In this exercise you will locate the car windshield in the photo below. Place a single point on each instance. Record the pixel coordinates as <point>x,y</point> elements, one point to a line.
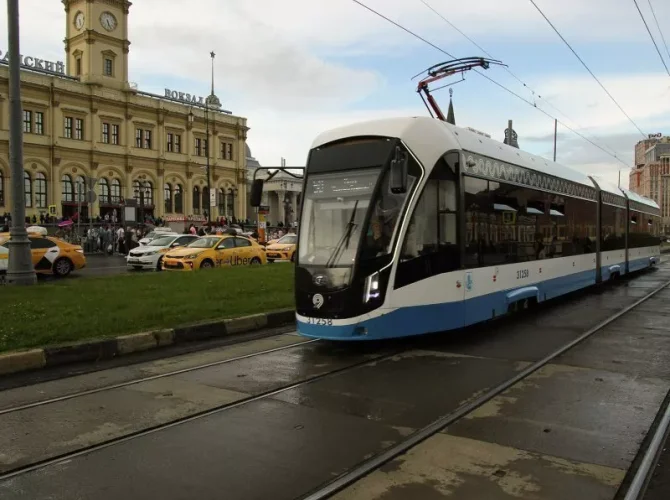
<point>163,241</point>
<point>289,239</point>
<point>206,242</point>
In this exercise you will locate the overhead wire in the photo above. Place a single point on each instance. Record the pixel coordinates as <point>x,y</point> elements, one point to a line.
<point>419,37</point>
<point>506,68</point>
<point>653,13</point>
<point>652,36</point>
<point>587,67</point>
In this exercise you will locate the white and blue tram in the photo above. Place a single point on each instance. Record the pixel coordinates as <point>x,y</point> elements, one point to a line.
<point>413,225</point>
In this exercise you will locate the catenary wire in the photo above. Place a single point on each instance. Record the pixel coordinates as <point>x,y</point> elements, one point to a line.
<point>419,37</point>
<point>587,67</point>
<point>653,13</point>
<point>441,16</point>
<point>650,35</point>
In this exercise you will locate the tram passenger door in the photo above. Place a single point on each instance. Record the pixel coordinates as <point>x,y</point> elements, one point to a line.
<point>430,256</point>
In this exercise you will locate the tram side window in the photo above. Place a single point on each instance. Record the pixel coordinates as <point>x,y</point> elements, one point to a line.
<point>505,224</point>
<point>613,221</point>
<point>431,243</point>
<point>643,230</point>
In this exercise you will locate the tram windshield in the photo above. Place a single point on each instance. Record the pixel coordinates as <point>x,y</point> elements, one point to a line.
<point>334,213</point>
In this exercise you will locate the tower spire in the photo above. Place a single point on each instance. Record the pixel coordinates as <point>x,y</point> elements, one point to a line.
<point>213,56</point>
<point>450,114</point>
<point>213,101</point>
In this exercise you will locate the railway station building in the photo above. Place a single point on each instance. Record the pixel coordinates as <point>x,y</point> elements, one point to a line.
<point>93,141</point>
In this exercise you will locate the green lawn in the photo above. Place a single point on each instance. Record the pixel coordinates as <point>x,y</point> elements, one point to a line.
<point>82,308</point>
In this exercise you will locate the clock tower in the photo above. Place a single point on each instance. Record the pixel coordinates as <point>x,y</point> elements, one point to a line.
<point>96,41</point>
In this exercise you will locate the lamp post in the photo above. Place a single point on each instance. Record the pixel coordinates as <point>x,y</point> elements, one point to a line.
<point>209,208</point>
<point>142,192</point>
<point>233,192</point>
<point>20,269</point>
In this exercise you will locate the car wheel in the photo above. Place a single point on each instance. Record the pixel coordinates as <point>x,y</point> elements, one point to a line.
<point>159,265</point>
<point>271,261</point>
<point>207,264</point>
<point>293,257</point>
<point>255,261</point>
<point>62,267</point>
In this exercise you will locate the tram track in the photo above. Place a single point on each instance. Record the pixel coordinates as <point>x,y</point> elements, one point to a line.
<point>40,464</point>
<point>128,383</point>
<point>373,463</point>
<point>62,458</point>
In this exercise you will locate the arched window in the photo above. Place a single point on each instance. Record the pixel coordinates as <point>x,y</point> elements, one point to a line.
<point>2,190</point>
<point>178,199</point>
<point>205,199</point>
<point>116,192</point>
<point>168,198</point>
<point>147,192</point>
<point>196,200</point>
<point>80,189</point>
<point>68,189</point>
<point>27,189</point>
<point>104,191</point>
<point>40,190</point>
<point>222,202</point>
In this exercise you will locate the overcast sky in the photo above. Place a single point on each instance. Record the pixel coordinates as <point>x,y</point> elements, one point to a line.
<point>297,67</point>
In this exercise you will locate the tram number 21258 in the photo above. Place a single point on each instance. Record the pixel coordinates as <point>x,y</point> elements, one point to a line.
<point>522,273</point>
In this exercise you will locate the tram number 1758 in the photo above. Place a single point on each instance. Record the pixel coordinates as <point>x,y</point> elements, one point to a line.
<point>522,273</point>
<point>320,321</point>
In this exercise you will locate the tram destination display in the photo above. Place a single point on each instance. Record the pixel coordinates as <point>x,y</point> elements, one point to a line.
<point>350,184</point>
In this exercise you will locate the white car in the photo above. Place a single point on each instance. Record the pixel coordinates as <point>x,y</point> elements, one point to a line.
<point>156,233</point>
<point>151,256</point>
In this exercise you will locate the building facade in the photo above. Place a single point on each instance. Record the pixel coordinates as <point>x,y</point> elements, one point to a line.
<point>281,195</point>
<point>94,144</point>
<point>651,175</point>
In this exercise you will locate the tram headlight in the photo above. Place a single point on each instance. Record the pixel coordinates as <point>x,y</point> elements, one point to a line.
<point>371,287</point>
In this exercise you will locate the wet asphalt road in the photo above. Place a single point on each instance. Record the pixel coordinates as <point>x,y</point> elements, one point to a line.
<point>570,431</point>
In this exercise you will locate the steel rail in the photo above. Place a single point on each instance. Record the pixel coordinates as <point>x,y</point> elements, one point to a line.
<point>149,378</point>
<point>367,466</point>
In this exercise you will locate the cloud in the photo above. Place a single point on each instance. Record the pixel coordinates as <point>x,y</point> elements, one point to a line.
<point>269,144</point>
<point>294,76</point>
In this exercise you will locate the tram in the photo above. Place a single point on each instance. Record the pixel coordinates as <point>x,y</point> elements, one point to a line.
<point>413,225</point>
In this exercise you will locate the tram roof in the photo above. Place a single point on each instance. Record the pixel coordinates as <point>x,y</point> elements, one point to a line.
<point>429,139</point>
<point>607,187</point>
<point>633,196</point>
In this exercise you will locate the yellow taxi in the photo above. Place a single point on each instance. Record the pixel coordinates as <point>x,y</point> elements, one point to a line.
<point>215,251</point>
<point>283,248</point>
<point>50,255</point>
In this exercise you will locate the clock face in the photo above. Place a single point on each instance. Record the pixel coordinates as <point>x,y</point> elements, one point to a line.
<point>79,20</point>
<point>108,21</point>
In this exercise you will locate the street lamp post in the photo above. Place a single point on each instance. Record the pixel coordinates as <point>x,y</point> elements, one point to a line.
<point>209,192</point>
<point>232,192</point>
<point>20,269</point>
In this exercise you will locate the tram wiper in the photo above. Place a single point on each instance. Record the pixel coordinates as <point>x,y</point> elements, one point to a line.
<point>344,240</point>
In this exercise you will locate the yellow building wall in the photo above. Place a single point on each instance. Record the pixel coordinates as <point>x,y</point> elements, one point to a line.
<point>55,155</point>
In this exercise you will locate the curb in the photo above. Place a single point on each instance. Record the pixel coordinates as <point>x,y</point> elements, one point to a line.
<point>99,349</point>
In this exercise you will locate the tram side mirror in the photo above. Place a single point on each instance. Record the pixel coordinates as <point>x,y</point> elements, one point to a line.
<point>256,193</point>
<point>398,178</point>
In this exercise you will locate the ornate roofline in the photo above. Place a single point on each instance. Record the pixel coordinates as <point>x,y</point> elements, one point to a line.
<point>612,199</point>
<point>482,166</point>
